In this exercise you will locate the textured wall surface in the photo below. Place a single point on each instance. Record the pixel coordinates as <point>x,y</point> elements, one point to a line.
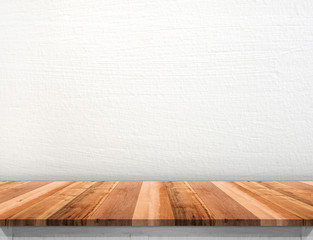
<point>156,89</point>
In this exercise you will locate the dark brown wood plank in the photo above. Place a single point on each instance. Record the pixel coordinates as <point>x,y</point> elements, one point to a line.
<point>226,210</point>
<point>119,206</point>
<point>153,206</point>
<point>76,212</point>
<point>188,208</point>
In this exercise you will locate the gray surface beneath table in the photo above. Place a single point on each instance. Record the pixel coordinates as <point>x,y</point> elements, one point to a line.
<point>134,233</point>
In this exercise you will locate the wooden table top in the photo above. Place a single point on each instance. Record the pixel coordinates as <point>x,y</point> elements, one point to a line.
<point>156,203</point>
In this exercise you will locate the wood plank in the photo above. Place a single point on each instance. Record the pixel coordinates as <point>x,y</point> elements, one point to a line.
<point>309,183</point>
<point>17,204</point>
<point>299,185</point>
<point>76,212</point>
<point>268,213</point>
<point>37,214</point>
<point>153,206</point>
<point>20,189</point>
<point>292,205</point>
<point>119,206</point>
<point>188,208</point>
<point>296,193</point>
<point>156,203</point>
<point>8,185</point>
<point>226,210</point>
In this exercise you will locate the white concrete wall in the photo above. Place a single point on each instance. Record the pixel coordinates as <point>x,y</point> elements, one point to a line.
<point>156,89</point>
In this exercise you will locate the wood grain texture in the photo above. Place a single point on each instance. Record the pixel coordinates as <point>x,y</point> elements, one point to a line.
<point>8,185</point>
<point>22,202</point>
<point>296,193</point>
<point>269,214</point>
<point>79,209</point>
<point>226,210</point>
<point>187,206</point>
<point>156,203</point>
<point>37,214</point>
<point>19,190</point>
<point>153,206</point>
<point>288,203</point>
<point>119,207</point>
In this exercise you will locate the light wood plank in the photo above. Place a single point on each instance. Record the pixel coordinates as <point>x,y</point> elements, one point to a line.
<point>226,210</point>
<point>299,185</point>
<point>17,204</point>
<point>8,185</point>
<point>268,213</point>
<point>19,190</point>
<point>292,205</point>
<point>37,214</point>
<point>309,183</point>
<point>296,193</point>
<point>153,206</point>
